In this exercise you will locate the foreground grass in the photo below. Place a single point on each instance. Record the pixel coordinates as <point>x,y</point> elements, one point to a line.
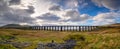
<point>103,39</point>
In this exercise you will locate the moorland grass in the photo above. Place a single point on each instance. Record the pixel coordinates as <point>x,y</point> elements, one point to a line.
<point>102,39</point>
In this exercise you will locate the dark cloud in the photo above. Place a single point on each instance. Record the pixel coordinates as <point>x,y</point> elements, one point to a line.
<point>10,15</point>
<point>110,4</point>
<point>72,13</point>
<point>49,17</point>
<point>3,7</point>
<point>55,8</point>
<point>14,2</point>
<point>80,18</point>
<point>31,9</point>
<point>75,16</point>
<point>16,17</point>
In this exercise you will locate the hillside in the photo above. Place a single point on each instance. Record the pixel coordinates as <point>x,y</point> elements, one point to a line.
<point>116,24</point>
<point>14,26</point>
<point>102,39</point>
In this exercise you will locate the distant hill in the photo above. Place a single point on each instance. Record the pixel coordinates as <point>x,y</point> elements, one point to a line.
<point>15,26</point>
<point>12,25</point>
<point>116,24</point>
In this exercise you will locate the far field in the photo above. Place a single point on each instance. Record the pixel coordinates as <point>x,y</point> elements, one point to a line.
<point>107,38</point>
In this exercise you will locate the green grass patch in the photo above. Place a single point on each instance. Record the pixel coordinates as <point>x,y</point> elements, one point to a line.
<point>7,46</point>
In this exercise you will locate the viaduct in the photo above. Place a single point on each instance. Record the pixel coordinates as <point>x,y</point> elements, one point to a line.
<point>65,28</point>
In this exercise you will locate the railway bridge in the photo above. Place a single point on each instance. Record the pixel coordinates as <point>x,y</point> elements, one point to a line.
<point>65,28</point>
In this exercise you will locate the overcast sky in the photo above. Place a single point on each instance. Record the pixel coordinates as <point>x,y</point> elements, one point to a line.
<point>59,12</point>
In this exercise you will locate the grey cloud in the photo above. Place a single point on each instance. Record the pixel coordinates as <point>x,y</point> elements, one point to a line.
<point>103,16</point>
<point>106,18</point>
<point>110,4</point>
<point>3,6</point>
<point>72,13</point>
<point>14,2</point>
<point>71,3</point>
<point>55,8</point>
<point>49,17</point>
<point>11,15</point>
<point>80,18</point>
<point>75,16</point>
<point>31,9</point>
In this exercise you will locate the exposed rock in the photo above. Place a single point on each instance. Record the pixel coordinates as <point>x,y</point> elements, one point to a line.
<point>67,45</point>
<point>21,45</point>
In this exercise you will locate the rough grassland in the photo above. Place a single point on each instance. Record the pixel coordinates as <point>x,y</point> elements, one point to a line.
<point>104,39</point>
